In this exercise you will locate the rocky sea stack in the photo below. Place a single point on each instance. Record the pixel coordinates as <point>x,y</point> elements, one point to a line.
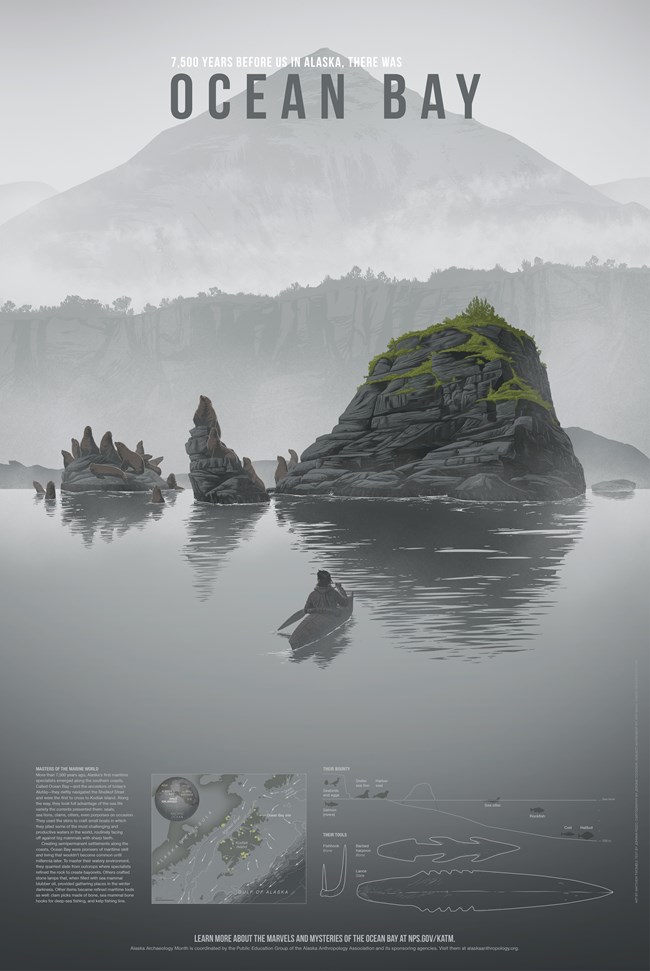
<point>217,474</point>
<point>462,408</point>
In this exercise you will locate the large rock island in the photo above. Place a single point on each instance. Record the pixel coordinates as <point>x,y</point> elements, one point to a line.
<point>462,408</point>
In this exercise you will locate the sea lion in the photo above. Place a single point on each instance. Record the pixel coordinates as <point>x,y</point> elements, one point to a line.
<point>101,470</point>
<point>149,461</point>
<point>88,445</point>
<point>282,471</point>
<point>50,491</point>
<point>76,449</point>
<point>40,491</point>
<point>156,495</point>
<point>231,455</point>
<point>249,469</point>
<point>107,448</point>
<point>154,468</point>
<point>215,446</point>
<point>67,458</point>
<point>293,461</point>
<point>172,483</point>
<point>206,415</point>
<point>130,460</point>
<point>140,448</point>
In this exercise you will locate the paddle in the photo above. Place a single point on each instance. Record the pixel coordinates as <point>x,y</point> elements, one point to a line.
<point>299,614</point>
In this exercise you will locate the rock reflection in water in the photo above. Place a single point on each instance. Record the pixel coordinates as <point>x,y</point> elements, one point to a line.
<point>107,516</point>
<point>440,575</point>
<point>213,532</point>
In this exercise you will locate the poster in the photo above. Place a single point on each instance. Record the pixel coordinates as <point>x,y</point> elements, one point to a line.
<point>376,276</point>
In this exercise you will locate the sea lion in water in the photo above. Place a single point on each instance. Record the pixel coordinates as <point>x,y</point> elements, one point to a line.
<point>156,495</point>
<point>293,461</point>
<point>249,469</point>
<point>107,448</point>
<point>50,491</point>
<point>215,446</point>
<point>282,471</point>
<point>173,484</point>
<point>76,449</point>
<point>130,460</point>
<point>102,470</point>
<point>67,458</point>
<point>88,445</point>
<point>40,491</point>
<point>206,415</point>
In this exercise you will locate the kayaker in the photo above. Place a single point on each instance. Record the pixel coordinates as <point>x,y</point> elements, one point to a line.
<point>326,596</point>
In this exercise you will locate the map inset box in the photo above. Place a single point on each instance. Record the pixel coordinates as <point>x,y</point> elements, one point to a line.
<point>228,839</point>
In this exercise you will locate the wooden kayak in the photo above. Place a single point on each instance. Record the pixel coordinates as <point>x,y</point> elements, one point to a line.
<point>314,627</point>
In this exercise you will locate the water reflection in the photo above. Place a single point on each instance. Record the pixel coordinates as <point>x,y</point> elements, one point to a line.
<point>441,575</point>
<point>108,515</point>
<point>213,532</point>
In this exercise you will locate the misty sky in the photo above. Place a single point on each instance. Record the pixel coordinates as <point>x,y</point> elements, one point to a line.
<point>86,82</point>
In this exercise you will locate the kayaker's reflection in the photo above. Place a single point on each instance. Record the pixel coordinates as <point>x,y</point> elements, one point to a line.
<point>326,595</point>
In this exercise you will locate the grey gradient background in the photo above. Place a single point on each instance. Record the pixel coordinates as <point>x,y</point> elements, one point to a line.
<point>86,82</point>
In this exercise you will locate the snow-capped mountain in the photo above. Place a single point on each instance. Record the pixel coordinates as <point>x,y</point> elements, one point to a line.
<point>250,204</point>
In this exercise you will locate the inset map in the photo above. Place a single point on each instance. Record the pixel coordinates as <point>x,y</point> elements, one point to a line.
<point>244,843</point>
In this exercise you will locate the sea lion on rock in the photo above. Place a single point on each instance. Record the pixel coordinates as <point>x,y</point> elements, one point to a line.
<point>282,471</point>
<point>50,491</point>
<point>249,469</point>
<point>107,448</point>
<point>67,458</point>
<point>76,449</point>
<point>156,495</point>
<point>140,447</point>
<point>130,460</point>
<point>172,483</point>
<point>102,470</point>
<point>215,446</point>
<point>88,445</point>
<point>40,491</point>
<point>206,415</point>
<point>293,461</point>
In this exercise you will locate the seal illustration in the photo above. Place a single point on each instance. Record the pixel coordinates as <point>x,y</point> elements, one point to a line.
<point>107,448</point>
<point>249,469</point>
<point>282,470</point>
<point>88,444</point>
<point>40,491</point>
<point>173,484</point>
<point>293,461</point>
<point>50,491</point>
<point>156,495</point>
<point>102,470</point>
<point>130,460</point>
<point>67,458</point>
<point>153,464</point>
<point>76,449</point>
<point>215,446</point>
<point>140,447</point>
<point>206,415</point>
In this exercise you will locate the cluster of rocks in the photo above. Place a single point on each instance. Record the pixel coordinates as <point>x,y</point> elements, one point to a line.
<point>111,467</point>
<point>462,408</point>
<point>217,474</point>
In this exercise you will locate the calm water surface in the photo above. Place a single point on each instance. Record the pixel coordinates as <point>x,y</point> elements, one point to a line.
<point>493,656</point>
